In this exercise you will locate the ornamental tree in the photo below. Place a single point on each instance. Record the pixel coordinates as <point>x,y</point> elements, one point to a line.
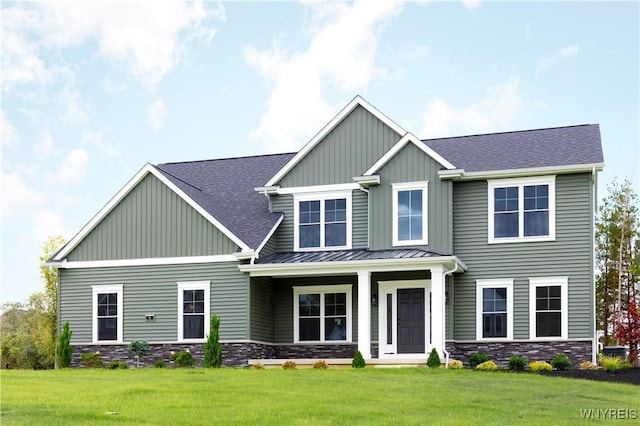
<point>628,330</point>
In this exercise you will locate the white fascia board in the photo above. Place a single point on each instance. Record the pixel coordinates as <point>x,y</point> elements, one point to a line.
<point>152,261</point>
<point>409,137</point>
<point>366,181</point>
<point>142,173</point>
<point>342,267</point>
<point>266,189</point>
<point>319,189</point>
<point>494,174</point>
<point>357,101</point>
<point>273,230</point>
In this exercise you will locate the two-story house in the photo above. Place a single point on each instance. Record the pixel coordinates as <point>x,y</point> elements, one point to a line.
<point>368,238</point>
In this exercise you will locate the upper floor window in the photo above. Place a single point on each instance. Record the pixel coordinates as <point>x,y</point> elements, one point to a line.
<point>409,213</point>
<point>322,221</point>
<point>107,313</point>
<point>494,309</point>
<point>521,209</point>
<point>193,310</point>
<point>549,307</point>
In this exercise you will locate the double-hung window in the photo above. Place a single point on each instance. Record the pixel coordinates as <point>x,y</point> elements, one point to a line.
<point>322,221</point>
<point>548,308</point>
<point>107,313</point>
<point>494,309</point>
<point>409,210</point>
<point>322,313</point>
<point>193,310</point>
<point>521,209</point>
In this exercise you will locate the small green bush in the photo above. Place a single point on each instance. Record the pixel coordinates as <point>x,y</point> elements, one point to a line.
<point>487,365</point>
<point>64,350</point>
<point>159,363</point>
<point>320,365</point>
<point>213,348</point>
<point>560,362</point>
<point>537,366</point>
<point>358,360</point>
<point>610,363</point>
<point>477,358</point>
<point>588,365</point>
<point>183,359</point>
<point>455,364</point>
<point>289,365</point>
<point>434,359</point>
<point>91,360</point>
<point>517,363</point>
<point>117,365</point>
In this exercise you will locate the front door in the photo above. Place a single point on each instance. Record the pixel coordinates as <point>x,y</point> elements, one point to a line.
<point>410,320</point>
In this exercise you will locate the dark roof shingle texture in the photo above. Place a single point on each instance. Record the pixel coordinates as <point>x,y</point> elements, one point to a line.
<point>553,147</point>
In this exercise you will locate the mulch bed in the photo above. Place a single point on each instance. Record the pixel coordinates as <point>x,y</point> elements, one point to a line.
<point>627,375</point>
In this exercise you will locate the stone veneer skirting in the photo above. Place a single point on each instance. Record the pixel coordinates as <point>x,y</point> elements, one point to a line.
<point>238,354</point>
<point>500,352</point>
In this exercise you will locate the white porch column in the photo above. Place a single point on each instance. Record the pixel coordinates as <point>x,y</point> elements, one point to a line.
<point>364,313</point>
<point>438,309</point>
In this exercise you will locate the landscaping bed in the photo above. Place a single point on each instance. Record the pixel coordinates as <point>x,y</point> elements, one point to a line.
<point>626,375</point>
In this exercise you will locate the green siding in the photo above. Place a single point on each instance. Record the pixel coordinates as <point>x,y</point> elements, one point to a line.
<point>360,224</point>
<point>153,290</point>
<point>411,164</point>
<point>152,221</point>
<point>570,255</point>
<point>284,234</point>
<point>348,150</point>
<point>262,302</point>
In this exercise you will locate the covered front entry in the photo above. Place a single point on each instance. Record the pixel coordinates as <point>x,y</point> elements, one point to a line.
<point>404,318</point>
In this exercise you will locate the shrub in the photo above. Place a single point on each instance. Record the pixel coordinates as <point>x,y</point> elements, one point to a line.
<point>588,365</point>
<point>477,358</point>
<point>183,359</point>
<point>560,362</point>
<point>117,365</point>
<point>434,359</point>
<point>358,360</point>
<point>610,363</point>
<point>455,364</point>
<point>258,366</point>
<point>64,350</point>
<point>320,365</point>
<point>139,348</point>
<point>91,360</point>
<point>537,366</point>
<point>517,363</point>
<point>213,349</point>
<point>487,365</point>
<point>159,363</point>
<point>289,365</point>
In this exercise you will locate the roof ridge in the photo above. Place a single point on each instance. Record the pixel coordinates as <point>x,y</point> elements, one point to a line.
<point>509,131</point>
<point>227,158</point>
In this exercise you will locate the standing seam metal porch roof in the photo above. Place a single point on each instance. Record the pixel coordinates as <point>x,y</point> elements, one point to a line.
<point>345,255</point>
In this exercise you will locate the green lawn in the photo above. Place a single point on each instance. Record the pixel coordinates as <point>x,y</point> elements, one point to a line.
<point>341,396</point>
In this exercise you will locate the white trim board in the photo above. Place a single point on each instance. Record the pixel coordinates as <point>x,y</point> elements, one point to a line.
<point>355,102</point>
<point>132,183</point>
<point>152,261</point>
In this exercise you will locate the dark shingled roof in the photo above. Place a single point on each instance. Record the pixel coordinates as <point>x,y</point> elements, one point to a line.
<point>225,189</point>
<point>345,255</point>
<point>553,147</point>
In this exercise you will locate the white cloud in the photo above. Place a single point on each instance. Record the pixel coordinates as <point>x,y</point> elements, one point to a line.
<point>156,113</point>
<point>560,54</point>
<point>18,196</point>
<point>70,168</point>
<point>96,140</point>
<point>9,135</point>
<point>494,112</point>
<point>340,56</point>
<point>471,4</point>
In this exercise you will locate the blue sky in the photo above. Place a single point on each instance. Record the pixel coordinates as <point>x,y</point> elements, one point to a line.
<point>91,91</point>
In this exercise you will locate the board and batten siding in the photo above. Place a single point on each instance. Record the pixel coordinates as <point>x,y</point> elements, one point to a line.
<point>569,255</point>
<point>152,221</point>
<point>154,290</point>
<point>262,303</point>
<point>348,150</point>
<point>359,214</point>
<point>411,164</point>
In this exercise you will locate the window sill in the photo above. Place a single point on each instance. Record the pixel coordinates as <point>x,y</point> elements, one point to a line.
<point>520,240</point>
<point>321,342</point>
<point>410,243</point>
<point>301,249</point>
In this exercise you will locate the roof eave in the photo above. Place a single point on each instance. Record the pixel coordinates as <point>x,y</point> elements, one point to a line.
<point>460,174</point>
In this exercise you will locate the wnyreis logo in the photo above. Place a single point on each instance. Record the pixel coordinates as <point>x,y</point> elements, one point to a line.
<point>609,413</point>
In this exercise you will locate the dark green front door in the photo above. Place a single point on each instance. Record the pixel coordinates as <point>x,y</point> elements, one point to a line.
<point>410,320</point>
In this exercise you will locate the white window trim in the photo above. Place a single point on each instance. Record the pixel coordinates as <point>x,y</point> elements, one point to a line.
<point>494,283</point>
<point>405,186</point>
<point>322,289</point>
<point>100,289</point>
<point>563,282</point>
<point>320,196</point>
<point>521,183</point>
<point>194,285</point>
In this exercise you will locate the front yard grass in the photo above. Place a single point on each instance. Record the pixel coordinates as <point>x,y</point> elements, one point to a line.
<point>314,397</point>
